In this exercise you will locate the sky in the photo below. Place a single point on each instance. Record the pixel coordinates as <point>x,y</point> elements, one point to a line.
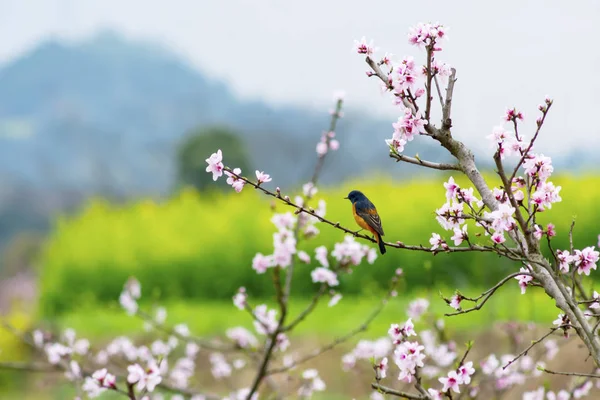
<point>507,53</point>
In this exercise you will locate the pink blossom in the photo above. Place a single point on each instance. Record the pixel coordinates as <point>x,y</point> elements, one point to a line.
<point>265,320</point>
<point>321,274</point>
<point>523,280</point>
<point>239,299</point>
<point>381,369</point>
<point>348,361</point>
<point>512,114</point>
<point>534,395</point>
<point>435,394</point>
<point>455,301</point>
<point>595,304</point>
<point>405,75</point>
<point>387,59</point>
<point>489,364</point>
<point>561,320</point>
<point>309,189</point>
<point>321,256</point>
<point>459,235</point>
<point>366,349</point>
<point>408,356</point>
<point>396,144</point>
<point>583,390</point>
<point>450,216</point>
<point>538,232</point>
<point>284,244</point>
<point>451,189</point>
<point>501,141</point>
<point>499,195</point>
<point>242,337</point>
<point>144,379</point>
<point>465,371</point>
<point>351,252</point>
<point>417,307</point>
<point>260,263</point>
<point>284,221</point>
<point>564,259</point>
<point>502,218</point>
<point>408,126</point>
<point>311,383</point>
<point>334,300</point>
<point>538,166</point>
<point>362,47</point>
<point>322,148</point>
<point>498,237</point>
<point>441,68</point>
<point>262,177</point>
<point>236,183</point>
<point>334,145</point>
<point>585,260</point>
<point>436,242</point>
<point>551,348</point>
<point>426,34</point>
<point>518,195</point>
<point>104,379</point>
<point>562,395</point>
<point>545,195</point>
<point>550,230</point>
<point>304,257</point>
<point>398,333</point>
<point>452,381</point>
<point>220,368</point>
<point>215,164</point>
<point>282,342</point>
<point>467,196</point>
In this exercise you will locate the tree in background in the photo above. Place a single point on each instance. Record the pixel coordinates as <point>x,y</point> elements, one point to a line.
<point>191,166</point>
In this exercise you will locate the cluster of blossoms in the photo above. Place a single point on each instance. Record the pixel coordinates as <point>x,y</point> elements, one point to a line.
<point>132,291</point>
<point>413,357</point>
<point>451,215</point>
<point>402,78</point>
<point>216,168</point>
<point>327,142</point>
<point>584,260</point>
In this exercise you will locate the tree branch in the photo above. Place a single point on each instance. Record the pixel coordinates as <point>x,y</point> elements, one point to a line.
<point>397,393</point>
<point>423,163</point>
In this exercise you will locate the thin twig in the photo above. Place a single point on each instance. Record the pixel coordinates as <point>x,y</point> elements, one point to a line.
<point>387,390</point>
<point>423,163</point>
<point>533,343</point>
<point>570,373</point>
<point>486,295</point>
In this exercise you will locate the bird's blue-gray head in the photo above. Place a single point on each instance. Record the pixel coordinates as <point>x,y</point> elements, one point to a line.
<point>355,196</point>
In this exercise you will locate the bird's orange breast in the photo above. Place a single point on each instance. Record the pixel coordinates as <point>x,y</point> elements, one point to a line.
<point>360,221</point>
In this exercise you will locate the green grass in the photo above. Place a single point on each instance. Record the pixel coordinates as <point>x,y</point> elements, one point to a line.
<point>209,319</point>
<point>213,318</point>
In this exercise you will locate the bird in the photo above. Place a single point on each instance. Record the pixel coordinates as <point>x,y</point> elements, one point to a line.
<point>366,216</point>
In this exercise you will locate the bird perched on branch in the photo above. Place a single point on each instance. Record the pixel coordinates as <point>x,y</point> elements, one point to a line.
<point>366,216</point>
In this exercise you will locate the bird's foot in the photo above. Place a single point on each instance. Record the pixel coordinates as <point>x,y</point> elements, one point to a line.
<point>357,232</point>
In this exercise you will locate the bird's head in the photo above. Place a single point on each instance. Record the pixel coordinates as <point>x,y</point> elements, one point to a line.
<point>355,196</point>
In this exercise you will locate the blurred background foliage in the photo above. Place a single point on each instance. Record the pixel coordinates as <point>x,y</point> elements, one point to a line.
<point>201,245</point>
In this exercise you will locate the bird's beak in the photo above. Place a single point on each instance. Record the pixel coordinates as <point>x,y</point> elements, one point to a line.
<point>346,197</point>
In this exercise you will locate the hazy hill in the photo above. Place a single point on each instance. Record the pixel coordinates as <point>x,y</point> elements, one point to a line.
<point>107,113</point>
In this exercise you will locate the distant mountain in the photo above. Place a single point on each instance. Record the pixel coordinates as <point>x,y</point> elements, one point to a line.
<point>107,113</point>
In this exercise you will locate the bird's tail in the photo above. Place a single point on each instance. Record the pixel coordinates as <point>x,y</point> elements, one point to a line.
<point>380,243</point>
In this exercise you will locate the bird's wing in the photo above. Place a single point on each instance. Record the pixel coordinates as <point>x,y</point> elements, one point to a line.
<point>369,214</point>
